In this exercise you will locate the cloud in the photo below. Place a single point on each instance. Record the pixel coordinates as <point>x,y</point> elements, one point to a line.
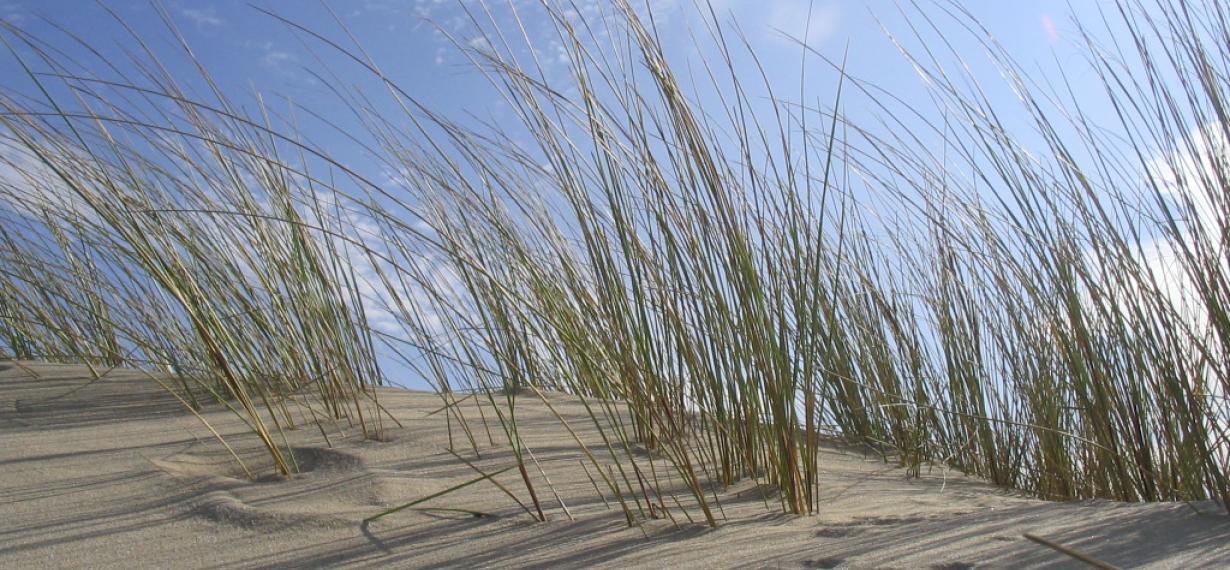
<point>791,19</point>
<point>416,284</point>
<point>480,43</point>
<point>202,17</point>
<point>283,63</point>
<point>13,13</point>
<point>277,58</point>
<point>1049,28</point>
<point>28,187</point>
<point>1189,175</point>
<point>386,8</point>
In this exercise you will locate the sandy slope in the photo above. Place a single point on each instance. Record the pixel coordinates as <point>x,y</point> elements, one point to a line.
<point>114,473</point>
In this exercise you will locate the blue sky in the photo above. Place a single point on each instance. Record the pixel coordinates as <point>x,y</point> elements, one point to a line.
<point>248,51</point>
<point>414,42</point>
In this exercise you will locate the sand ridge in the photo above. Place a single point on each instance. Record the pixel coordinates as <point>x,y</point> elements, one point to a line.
<point>114,472</point>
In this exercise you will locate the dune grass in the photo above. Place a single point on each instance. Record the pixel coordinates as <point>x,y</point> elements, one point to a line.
<point>723,288</point>
<point>150,232</point>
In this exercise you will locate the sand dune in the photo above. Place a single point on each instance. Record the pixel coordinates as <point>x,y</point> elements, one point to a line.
<point>114,473</point>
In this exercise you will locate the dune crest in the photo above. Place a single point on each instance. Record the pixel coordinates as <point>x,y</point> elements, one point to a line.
<point>110,474</point>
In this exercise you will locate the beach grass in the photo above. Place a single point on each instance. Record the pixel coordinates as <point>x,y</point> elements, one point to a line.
<point>725,288</point>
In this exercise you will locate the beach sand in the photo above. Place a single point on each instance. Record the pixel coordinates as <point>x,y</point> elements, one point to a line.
<point>115,473</point>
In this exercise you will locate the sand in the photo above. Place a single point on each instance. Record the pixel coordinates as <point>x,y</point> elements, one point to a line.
<point>114,473</point>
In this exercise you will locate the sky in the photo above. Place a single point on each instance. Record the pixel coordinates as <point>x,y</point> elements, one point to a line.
<point>417,44</point>
<point>413,40</point>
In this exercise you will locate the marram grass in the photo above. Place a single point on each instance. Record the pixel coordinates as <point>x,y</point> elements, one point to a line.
<point>719,286</point>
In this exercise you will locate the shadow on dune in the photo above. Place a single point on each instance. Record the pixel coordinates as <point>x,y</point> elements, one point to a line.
<point>146,488</point>
<point>66,397</point>
<point>1123,535</point>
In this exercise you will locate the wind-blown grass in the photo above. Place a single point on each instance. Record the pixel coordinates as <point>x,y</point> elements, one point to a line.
<point>718,276</point>
<point>179,237</point>
<point>724,288</point>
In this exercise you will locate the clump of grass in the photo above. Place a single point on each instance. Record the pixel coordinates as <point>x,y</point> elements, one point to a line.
<point>720,287</point>
<point>712,286</point>
<point>155,229</point>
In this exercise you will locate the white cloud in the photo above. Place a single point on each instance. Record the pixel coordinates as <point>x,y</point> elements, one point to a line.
<point>791,19</point>
<point>1049,28</point>
<point>276,58</point>
<point>28,187</point>
<point>202,16</point>
<point>1190,176</point>
<point>265,45</point>
<point>384,8</point>
<point>480,43</point>
<point>415,284</point>
<point>13,13</point>
<point>1191,172</point>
